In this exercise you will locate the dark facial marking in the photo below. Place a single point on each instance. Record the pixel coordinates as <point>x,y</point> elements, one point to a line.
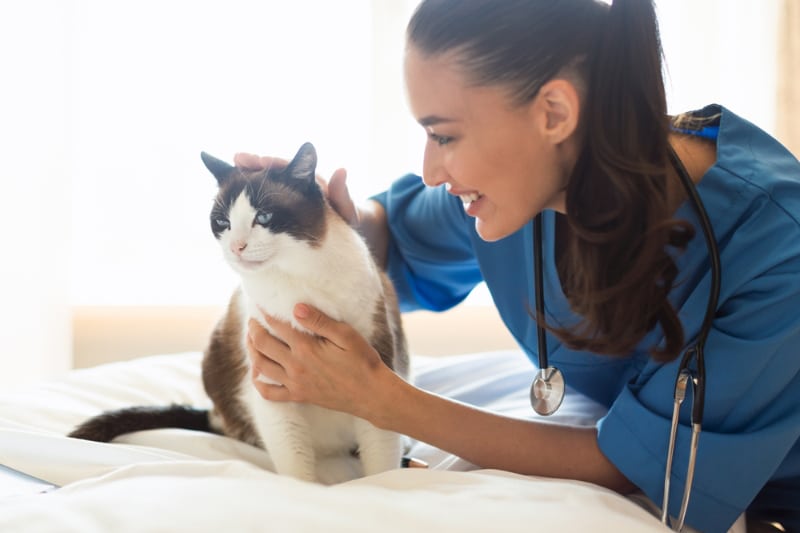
<point>286,199</point>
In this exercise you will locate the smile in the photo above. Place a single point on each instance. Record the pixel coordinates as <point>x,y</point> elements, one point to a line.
<point>467,199</point>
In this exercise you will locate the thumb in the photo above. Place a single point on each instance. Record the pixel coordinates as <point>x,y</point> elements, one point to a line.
<point>257,162</point>
<point>340,199</point>
<point>318,323</point>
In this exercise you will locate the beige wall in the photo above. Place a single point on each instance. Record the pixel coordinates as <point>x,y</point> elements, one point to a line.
<point>787,124</point>
<point>105,334</point>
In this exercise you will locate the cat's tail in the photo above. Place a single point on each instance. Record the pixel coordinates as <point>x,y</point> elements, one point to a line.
<point>111,424</point>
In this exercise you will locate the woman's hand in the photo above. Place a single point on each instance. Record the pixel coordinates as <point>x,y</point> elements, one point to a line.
<point>333,367</point>
<point>335,189</point>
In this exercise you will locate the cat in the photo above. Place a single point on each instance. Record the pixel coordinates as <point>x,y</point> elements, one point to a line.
<point>288,245</point>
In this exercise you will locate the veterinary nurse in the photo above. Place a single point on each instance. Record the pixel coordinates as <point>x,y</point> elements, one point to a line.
<point>559,108</point>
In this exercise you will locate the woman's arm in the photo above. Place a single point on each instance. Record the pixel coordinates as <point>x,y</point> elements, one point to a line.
<point>339,370</point>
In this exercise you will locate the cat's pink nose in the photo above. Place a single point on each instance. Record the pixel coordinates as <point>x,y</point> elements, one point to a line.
<point>238,247</point>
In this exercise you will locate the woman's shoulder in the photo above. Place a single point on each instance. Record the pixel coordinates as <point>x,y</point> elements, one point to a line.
<point>764,168</point>
<point>755,180</point>
<point>752,196</point>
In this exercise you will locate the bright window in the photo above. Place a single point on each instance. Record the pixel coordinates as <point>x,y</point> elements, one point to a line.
<point>152,83</point>
<point>155,82</point>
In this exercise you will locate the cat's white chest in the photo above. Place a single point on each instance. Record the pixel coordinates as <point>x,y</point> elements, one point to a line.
<point>274,297</point>
<point>277,293</point>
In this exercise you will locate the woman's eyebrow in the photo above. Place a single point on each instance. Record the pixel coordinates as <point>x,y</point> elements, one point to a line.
<point>431,120</point>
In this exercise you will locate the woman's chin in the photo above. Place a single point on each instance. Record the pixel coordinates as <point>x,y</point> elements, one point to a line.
<point>491,232</point>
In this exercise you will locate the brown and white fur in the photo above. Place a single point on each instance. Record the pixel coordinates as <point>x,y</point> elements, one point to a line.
<point>288,245</point>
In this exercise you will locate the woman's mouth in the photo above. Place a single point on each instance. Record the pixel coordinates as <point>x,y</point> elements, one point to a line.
<point>471,200</point>
<point>472,203</point>
<point>467,199</point>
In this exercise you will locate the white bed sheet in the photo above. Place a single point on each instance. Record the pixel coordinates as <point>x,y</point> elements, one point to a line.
<point>178,480</point>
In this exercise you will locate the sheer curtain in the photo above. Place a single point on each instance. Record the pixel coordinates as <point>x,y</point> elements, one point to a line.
<point>721,51</point>
<point>35,178</point>
<point>156,82</point>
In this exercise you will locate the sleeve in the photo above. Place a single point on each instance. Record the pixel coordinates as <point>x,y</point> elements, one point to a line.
<point>431,260</point>
<point>751,422</point>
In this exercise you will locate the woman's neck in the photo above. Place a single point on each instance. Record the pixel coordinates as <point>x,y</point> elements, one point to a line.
<point>697,155</point>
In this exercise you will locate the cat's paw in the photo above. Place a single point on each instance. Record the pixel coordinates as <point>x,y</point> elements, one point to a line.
<point>332,470</point>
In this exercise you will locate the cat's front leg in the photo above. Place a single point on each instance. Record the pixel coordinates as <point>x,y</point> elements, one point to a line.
<point>380,450</point>
<point>286,436</point>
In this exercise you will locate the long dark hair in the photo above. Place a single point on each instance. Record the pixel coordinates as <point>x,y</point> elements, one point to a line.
<point>616,269</point>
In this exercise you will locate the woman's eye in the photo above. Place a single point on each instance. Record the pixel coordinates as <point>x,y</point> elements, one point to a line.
<point>263,218</point>
<point>441,140</point>
<point>222,223</point>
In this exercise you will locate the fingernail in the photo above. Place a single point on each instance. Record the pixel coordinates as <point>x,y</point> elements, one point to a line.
<point>263,314</point>
<point>301,311</point>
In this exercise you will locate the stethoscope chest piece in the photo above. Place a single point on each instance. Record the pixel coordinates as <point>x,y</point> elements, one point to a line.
<point>547,391</point>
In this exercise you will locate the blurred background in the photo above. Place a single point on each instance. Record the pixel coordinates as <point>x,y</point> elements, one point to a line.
<point>105,106</point>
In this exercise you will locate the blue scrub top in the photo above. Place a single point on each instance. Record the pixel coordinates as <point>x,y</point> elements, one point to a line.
<point>749,450</point>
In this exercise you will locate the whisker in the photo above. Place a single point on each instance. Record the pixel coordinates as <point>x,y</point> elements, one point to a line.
<point>260,188</point>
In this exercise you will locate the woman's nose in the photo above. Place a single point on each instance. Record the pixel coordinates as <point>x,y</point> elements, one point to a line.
<point>433,172</point>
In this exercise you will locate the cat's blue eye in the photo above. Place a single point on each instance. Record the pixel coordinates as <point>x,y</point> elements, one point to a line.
<point>263,218</point>
<point>222,223</point>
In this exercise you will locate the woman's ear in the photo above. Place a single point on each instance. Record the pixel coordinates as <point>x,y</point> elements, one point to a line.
<point>557,108</point>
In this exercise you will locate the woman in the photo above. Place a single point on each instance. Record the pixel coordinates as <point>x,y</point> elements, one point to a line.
<point>559,108</point>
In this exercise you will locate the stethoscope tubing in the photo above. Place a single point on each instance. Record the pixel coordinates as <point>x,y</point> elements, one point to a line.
<point>538,269</point>
<point>547,390</point>
<point>686,377</point>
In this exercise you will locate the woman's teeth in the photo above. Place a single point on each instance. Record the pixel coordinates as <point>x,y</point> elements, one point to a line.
<point>467,199</point>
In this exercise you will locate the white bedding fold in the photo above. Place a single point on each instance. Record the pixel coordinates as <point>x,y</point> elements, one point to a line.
<point>178,480</point>
<point>202,496</point>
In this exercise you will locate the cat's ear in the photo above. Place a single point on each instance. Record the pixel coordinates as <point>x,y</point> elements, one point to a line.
<point>304,164</point>
<point>220,169</point>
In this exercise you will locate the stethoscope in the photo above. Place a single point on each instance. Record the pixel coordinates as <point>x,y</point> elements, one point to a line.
<point>548,387</point>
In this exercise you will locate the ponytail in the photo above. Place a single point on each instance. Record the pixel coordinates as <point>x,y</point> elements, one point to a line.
<point>618,271</point>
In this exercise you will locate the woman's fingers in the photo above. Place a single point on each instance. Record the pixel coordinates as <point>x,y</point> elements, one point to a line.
<point>267,375</point>
<point>321,324</point>
<point>257,162</point>
<point>268,354</point>
<point>263,365</point>
<point>275,393</point>
<point>319,360</point>
<point>340,199</point>
<point>265,341</point>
